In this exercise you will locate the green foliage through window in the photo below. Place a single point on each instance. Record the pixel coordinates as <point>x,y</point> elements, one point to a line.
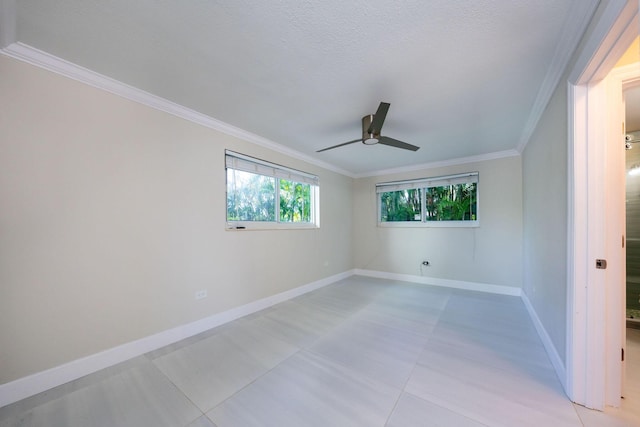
<point>403,205</point>
<point>258,191</point>
<point>295,201</point>
<point>250,197</point>
<point>451,202</point>
<point>451,198</point>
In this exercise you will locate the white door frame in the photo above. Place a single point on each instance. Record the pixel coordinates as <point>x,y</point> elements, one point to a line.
<point>593,367</point>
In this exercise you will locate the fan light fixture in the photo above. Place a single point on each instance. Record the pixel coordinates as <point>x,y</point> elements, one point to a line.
<point>368,137</point>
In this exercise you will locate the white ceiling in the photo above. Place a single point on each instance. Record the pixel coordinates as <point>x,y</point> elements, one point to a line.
<point>462,77</point>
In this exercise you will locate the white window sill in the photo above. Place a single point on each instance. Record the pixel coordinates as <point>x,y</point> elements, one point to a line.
<point>431,224</point>
<point>264,225</point>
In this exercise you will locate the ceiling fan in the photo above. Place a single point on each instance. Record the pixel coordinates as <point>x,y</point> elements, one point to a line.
<point>371,127</point>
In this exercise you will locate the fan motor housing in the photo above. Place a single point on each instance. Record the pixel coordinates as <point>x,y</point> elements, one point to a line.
<point>368,138</point>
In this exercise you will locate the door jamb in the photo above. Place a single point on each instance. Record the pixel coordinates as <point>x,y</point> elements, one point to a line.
<point>586,359</point>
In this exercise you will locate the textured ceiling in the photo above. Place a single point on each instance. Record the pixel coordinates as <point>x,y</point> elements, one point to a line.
<point>462,77</point>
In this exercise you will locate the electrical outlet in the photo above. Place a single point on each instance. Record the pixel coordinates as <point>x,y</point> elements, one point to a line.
<point>201,294</point>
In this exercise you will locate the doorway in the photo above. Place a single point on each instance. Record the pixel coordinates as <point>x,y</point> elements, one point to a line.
<point>595,300</point>
<point>632,169</point>
<point>631,371</point>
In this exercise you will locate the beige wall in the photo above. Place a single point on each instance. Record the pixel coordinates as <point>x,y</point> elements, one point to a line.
<point>491,253</point>
<point>545,196</point>
<point>113,217</point>
<point>545,219</point>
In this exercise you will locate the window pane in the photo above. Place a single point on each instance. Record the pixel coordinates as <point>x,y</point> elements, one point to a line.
<point>250,197</point>
<point>295,201</point>
<point>403,205</point>
<point>451,202</point>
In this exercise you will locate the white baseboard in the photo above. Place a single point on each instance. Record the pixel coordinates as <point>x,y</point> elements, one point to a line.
<point>556,361</point>
<point>448,283</point>
<point>33,384</point>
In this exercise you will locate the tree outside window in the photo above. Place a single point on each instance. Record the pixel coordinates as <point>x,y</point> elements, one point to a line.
<point>263,192</point>
<point>451,200</point>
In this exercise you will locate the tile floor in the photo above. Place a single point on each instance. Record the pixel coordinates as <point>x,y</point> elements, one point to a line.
<point>362,352</point>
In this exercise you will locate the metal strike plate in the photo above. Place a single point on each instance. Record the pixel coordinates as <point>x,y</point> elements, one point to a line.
<point>601,264</point>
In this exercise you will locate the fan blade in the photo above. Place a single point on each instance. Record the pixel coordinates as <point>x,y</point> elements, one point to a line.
<point>339,145</point>
<point>385,140</point>
<point>378,119</point>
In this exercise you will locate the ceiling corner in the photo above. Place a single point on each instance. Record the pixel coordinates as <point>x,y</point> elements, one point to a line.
<point>575,25</point>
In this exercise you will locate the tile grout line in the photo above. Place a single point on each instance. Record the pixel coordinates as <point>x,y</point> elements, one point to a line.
<point>300,349</point>
<point>176,388</point>
<point>415,365</point>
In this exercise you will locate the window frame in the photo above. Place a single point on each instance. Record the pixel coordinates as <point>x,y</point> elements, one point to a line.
<point>242,162</point>
<point>421,184</point>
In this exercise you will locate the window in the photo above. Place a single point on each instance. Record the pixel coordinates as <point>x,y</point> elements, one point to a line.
<point>265,195</point>
<point>401,205</point>
<point>450,201</point>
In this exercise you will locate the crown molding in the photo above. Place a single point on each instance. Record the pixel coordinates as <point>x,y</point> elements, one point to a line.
<point>38,58</point>
<point>8,18</point>
<point>68,69</point>
<point>443,163</point>
<point>573,29</point>
<point>612,34</point>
